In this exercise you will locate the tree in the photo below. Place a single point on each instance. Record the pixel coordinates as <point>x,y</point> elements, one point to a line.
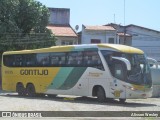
<point>7,14</point>
<point>23,25</point>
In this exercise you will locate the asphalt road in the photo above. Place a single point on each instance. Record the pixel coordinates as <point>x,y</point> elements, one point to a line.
<point>13,102</point>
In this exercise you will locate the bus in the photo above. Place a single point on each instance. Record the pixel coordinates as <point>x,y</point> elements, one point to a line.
<point>105,71</point>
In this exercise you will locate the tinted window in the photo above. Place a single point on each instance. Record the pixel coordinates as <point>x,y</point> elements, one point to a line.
<point>119,72</point>
<point>18,61</point>
<point>8,60</point>
<point>75,59</point>
<point>43,59</point>
<point>57,59</point>
<point>69,59</point>
<point>30,60</point>
<point>92,59</point>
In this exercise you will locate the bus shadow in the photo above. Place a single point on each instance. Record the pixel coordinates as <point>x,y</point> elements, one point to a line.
<point>84,100</point>
<point>113,102</point>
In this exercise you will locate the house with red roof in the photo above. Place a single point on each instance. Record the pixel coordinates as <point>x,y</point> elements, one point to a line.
<point>98,34</point>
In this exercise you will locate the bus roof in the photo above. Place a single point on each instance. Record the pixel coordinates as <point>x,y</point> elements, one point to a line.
<point>116,47</point>
<point>122,48</point>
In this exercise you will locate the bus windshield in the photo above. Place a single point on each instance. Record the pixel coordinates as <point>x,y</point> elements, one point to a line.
<point>139,74</point>
<point>140,71</point>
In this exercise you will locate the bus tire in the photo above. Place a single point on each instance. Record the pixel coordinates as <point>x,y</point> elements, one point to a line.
<point>51,95</point>
<point>40,95</point>
<point>122,100</point>
<point>31,90</point>
<point>101,96</point>
<point>20,89</point>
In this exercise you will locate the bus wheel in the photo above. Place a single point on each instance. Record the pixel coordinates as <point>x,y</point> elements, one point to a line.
<point>20,89</point>
<point>51,95</point>
<point>101,94</point>
<point>31,90</point>
<point>40,95</point>
<point>122,100</point>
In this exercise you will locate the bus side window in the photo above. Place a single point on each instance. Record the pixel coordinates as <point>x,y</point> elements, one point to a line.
<point>69,62</point>
<point>8,60</point>
<point>79,60</point>
<point>28,61</point>
<point>119,70</point>
<point>43,59</point>
<point>74,59</point>
<point>61,60</point>
<point>18,61</point>
<point>85,60</point>
<point>54,60</point>
<point>92,59</point>
<point>57,59</point>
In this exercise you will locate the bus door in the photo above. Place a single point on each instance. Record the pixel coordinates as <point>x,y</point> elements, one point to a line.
<point>117,83</point>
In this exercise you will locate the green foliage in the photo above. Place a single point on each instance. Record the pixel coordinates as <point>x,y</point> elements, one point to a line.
<point>23,25</point>
<point>7,14</point>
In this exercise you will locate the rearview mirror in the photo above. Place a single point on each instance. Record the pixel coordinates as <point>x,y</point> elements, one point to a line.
<point>126,61</point>
<point>152,62</point>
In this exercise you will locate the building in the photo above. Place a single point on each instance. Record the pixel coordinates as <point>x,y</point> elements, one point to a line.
<point>98,34</point>
<point>143,38</point>
<point>64,33</point>
<point>124,39</point>
<point>59,24</point>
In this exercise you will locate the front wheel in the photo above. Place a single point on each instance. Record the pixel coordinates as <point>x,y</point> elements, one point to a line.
<point>101,95</point>
<point>51,95</point>
<point>122,100</point>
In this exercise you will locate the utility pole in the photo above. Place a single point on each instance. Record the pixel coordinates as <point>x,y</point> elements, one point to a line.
<point>124,22</point>
<point>114,19</point>
<point>124,11</point>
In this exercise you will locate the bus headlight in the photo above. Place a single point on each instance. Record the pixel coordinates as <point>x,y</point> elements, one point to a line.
<point>132,88</point>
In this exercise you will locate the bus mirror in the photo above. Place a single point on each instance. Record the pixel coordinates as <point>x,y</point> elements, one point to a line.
<point>151,65</point>
<point>152,62</point>
<point>126,61</point>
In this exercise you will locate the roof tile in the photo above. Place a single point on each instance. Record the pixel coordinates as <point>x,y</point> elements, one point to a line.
<point>99,28</point>
<point>59,30</point>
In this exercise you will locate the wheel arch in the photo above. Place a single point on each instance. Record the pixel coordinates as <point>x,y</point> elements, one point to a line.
<point>29,84</point>
<point>95,89</point>
<point>19,83</point>
<point>31,90</point>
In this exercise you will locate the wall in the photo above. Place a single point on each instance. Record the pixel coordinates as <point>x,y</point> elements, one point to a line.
<point>66,39</point>
<point>87,35</point>
<point>128,40</point>
<point>147,40</point>
<point>59,16</point>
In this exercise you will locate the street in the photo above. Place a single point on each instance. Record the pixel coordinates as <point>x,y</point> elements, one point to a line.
<point>13,102</point>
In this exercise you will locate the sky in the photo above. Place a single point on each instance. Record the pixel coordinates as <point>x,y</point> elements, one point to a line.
<point>145,13</point>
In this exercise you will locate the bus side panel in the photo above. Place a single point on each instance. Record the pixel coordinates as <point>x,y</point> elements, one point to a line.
<point>11,76</point>
<point>91,78</point>
<point>65,80</point>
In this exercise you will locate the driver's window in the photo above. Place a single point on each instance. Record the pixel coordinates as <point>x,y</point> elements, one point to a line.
<point>118,71</point>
